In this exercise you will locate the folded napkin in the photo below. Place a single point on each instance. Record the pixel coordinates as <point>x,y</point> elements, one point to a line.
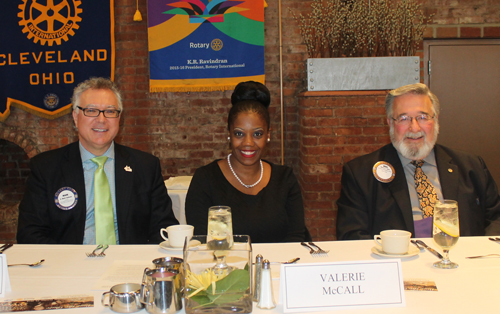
<point>178,183</point>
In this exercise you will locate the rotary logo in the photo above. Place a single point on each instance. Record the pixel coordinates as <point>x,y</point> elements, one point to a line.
<point>51,101</point>
<point>49,22</point>
<point>216,44</point>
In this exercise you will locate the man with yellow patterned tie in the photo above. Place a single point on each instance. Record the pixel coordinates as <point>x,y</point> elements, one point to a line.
<point>95,191</point>
<point>397,186</point>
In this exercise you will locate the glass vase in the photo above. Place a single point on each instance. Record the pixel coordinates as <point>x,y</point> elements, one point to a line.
<point>207,291</point>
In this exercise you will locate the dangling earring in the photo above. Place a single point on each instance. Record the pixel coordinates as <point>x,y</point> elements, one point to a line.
<point>268,140</point>
<point>228,138</point>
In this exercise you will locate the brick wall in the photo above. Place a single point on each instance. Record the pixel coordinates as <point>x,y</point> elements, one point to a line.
<point>13,173</point>
<point>188,130</point>
<point>335,127</point>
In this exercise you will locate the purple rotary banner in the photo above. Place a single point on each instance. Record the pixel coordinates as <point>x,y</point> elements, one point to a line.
<point>50,46</point>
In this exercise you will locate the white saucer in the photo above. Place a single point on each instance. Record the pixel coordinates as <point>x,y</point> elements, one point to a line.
<point>166,245</point>
<point>412,251</point>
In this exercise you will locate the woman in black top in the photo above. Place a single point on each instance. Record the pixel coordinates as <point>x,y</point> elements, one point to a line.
<point>265,199</point>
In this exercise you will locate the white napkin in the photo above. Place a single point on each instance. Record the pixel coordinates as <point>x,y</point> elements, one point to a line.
<point>4,276</point>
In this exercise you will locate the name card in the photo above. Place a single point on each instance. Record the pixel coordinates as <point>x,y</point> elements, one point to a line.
<point>4,276</point>
<point>341,285</point>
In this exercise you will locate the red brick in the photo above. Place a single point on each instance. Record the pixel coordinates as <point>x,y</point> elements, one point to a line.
<point>362,101</point>
<point>346,121</point>
<point>447,32</point>
<point>309,178</point>
<point>308,122</point>
<point>328,122</point>
<point>333,159</point>
<point>316,131</point>
<point>428,33</point>
<point>329,140</point>
<point>374,111</point>
<point>318,150</point>
<point>328,214</point>
<point>308,102</point>
<point>470,32</point>
<point>348,131</point>
<point>347,150</point>
<point>306,196</point>
<point>317,187</point>
<point>317,169</point>
<point>317,112</point>
<point>332,102</point>
<point>375,130</point>
<point>310,141</point>
<point>349,112</point>
<point>491,32</point>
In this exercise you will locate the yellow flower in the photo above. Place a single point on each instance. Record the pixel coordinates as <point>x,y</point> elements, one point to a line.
<point>200,282</point>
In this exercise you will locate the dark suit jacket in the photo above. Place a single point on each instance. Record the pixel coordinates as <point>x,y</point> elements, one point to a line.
<point>143,206</point>
<point>367,206</point>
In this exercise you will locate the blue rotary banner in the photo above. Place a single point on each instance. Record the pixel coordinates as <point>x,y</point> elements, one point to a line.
<point>48,47</point>
<point>203,45</point>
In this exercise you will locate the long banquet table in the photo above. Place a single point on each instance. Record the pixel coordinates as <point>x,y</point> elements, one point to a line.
<point>474,287</point>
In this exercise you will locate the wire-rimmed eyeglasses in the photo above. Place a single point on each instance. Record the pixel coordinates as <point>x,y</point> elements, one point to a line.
<point>94,112</point>
<point>422,119</point>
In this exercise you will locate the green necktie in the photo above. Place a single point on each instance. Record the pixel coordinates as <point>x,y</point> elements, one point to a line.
<point>103,206</point>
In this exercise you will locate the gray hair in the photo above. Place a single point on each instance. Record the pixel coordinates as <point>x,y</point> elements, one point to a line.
<point>415,89</point>
<point>95,83</point>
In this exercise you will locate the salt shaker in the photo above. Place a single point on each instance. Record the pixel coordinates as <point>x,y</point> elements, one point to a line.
<point>258,269</point>
<point>266,298</point>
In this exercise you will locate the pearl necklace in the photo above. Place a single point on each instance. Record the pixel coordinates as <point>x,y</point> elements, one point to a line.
<point>239,180</point>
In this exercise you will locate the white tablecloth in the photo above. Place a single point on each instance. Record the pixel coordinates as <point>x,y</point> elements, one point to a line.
<point>474,287</point>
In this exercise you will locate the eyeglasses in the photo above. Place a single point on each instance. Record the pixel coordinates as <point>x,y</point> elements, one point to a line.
<point>422,119</point>
<point>94,112</point>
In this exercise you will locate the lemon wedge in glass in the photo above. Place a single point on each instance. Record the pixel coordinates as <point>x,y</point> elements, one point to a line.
<point>447,228</point>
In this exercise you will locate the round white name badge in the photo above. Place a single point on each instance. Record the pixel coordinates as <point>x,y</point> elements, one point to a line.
<point>384,171</point>
<point>66,198</point>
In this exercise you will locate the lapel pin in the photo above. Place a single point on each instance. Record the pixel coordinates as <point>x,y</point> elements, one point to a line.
<point>66,198</point>
<point>450,170</point>
<point>128,169</point>
<point>384,172</point>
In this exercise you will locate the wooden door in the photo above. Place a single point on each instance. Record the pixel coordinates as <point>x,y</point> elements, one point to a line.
<point>465,76</point>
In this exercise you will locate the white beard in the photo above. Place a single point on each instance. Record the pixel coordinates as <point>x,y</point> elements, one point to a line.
<point>414,152</point>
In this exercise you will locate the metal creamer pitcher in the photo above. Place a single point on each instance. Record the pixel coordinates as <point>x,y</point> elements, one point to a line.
<point>161,291</point>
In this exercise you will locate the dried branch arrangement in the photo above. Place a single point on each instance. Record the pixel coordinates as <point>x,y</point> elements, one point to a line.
<point>362,28</point>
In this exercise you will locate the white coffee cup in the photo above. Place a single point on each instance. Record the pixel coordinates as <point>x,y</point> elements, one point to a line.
<point>394,241</point>
<point>177,234</point>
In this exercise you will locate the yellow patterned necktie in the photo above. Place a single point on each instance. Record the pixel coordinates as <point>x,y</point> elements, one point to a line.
<point>425,190</point>
<point>103,206</point>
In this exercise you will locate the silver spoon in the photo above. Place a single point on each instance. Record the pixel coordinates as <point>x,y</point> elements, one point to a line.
<point>30,265</point>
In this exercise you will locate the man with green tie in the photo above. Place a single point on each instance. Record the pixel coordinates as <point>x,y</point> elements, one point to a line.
<point>95,191</point>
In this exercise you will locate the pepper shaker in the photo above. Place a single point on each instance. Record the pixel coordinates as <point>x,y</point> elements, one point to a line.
<point>266,298</point>
<point>258,269</point>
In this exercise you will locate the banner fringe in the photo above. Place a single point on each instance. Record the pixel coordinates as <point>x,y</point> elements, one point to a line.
<point>184,89</point>
<point>42,113</point>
